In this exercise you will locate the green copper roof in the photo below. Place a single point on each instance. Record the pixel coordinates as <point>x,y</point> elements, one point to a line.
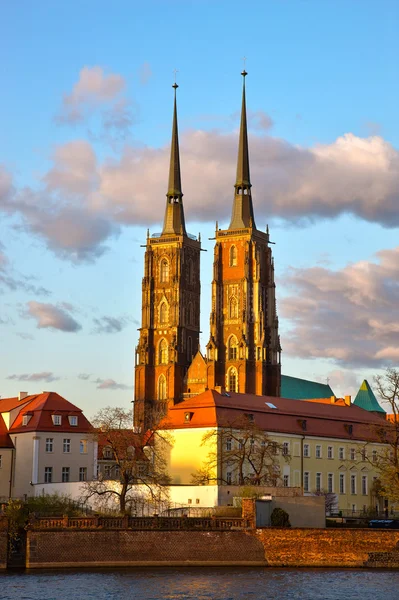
<point>299,389</point>
<point>365,399</point>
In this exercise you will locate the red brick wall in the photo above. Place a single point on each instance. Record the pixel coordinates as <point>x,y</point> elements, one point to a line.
<point>73,548</point>
<point>324,547</point>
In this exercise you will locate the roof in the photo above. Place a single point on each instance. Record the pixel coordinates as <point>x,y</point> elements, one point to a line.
<point>212,409</point>
<point>5,440</point>
<point>301,389</point>
<point>41,407</point>
<point>366,399</point>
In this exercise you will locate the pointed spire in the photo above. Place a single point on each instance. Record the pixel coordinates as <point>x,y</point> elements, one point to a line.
<point>174,213</point>
<point>243,212</point>
<point>243,178</point>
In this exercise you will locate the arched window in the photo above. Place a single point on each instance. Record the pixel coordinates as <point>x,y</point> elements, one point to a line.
<point>189,348</point>
<point>163,313</point>
<point>232,348</point>
<point>164,271</point>
<point>233,308</point>
<point>232,380</point>
<point>190,314</point>
<point>163,352</point>
<point>233,256</point>
<point>162,388</point>
<point>190,271</point>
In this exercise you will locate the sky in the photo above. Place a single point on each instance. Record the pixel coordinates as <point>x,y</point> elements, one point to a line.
<point>85,120</point>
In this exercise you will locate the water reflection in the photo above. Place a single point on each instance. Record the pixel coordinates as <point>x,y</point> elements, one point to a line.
<point>201,584</point>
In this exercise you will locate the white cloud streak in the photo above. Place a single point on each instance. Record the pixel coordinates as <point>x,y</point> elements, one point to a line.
<point>49,316</point>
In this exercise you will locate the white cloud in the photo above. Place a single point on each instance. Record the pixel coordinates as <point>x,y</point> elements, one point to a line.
<point>350,316</point>
<point>51,317</point>
<point>47,376</point>
<point>93,88</point>
<point>110,384</point>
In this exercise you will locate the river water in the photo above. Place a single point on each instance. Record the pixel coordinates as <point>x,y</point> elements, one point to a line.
<point>201,584</point>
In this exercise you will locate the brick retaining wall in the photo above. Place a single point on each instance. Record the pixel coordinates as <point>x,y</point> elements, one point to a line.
<point>90,548</point>
<point>329,547</point>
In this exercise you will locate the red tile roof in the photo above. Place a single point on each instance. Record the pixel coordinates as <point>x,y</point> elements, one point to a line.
<point>42,407</point>
<point>211,409</point>
<point>7,404</point>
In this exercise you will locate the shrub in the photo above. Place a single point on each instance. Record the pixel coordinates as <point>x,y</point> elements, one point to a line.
<point>280,518</point>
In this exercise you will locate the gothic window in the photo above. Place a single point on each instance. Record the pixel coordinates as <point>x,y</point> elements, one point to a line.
<point>163,313</point>
<point>232,348</point>
<point>189,348</point>
<point>233,256</point>
<point>190,315</point>
<point>233,308</point>
<point>163,352</point>
<point>162,388</point>
<point>164,271</point>
<point>190,271</point>
<point>232,380</point>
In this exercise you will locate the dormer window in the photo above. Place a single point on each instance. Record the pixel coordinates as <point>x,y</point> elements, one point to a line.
<point>73,420</point>
<point>26,419</point>
<point>57,419</point>
<point>188,416</point>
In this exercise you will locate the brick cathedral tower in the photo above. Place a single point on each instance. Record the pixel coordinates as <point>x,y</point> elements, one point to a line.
<point>169,333</point>
<point>243,353</point>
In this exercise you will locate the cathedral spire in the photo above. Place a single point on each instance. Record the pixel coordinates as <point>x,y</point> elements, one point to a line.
<point>243,213</point>
<point>174,213</point>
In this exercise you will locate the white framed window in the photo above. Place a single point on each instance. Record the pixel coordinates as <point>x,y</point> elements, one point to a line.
<point>306,477</point>
<point>364,454</point>
<point>318,451</point>
<point>364,485</point>
<point>353,484</point>
<point>65,474</point>
<point>286,480</point>
<point>286,448</point>
<point>48,474</point>
<point>66,445</point>
<point>83,446</point>
<point>318,482</point>
<point>306,450</point>
<point>197,501</point>
<point>341,453</point>
<point>352,453</point>
<point>342,483</point>
<point>57,419</point>
<point>82,473</point>
<point>190,501</point>
<point>25,420</point>
<point>228,444</point>
<point>330,483</point>
<point>49,444</point>
<point>229,477</point>
<point>73,420</point>
<point>374,456</point>
<point>107,471</point>
<point>330,452</point>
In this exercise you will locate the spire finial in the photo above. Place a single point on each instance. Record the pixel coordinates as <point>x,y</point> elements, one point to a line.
<point>243,72</point>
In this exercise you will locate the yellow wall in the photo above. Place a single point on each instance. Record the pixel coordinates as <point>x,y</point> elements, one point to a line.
<point>186,454</point>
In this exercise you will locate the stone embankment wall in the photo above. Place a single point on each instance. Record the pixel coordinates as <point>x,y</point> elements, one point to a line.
<point>117,548</point>
<point>3,542</point>
<point>330,547</point>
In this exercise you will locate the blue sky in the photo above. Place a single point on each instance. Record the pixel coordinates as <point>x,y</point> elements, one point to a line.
<point>86,109</point>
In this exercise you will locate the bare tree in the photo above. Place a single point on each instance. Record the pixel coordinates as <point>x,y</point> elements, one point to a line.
<point>386,461</point>
<point>136,457</point>
<point>241,452</point>
<point>330,499</point>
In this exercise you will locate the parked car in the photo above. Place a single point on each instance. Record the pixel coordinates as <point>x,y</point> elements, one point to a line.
<point>384,523</point>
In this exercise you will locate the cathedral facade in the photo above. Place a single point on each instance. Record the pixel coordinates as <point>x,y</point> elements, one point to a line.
<point>243,353</point>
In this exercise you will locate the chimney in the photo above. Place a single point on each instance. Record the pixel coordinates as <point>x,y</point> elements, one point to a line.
<point>22,395</point>
<point>348,400</point>
<point>333,399</point>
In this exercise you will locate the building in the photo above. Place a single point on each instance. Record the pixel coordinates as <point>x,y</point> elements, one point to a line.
<point>243,353</point>
<point>46,441</point>
<point>323,446</point>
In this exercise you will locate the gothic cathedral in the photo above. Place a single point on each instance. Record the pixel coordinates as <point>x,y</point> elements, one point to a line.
<point>243,352</point>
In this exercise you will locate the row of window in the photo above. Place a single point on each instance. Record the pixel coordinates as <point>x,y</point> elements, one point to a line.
<point>57,420</point>
<point>354,454</point>
<point>164,271</point>
<point>65,474</point>
<point>66,445</point>
<point>318,483</point>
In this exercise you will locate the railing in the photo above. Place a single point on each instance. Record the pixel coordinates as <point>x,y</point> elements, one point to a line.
<point>140,523</point>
